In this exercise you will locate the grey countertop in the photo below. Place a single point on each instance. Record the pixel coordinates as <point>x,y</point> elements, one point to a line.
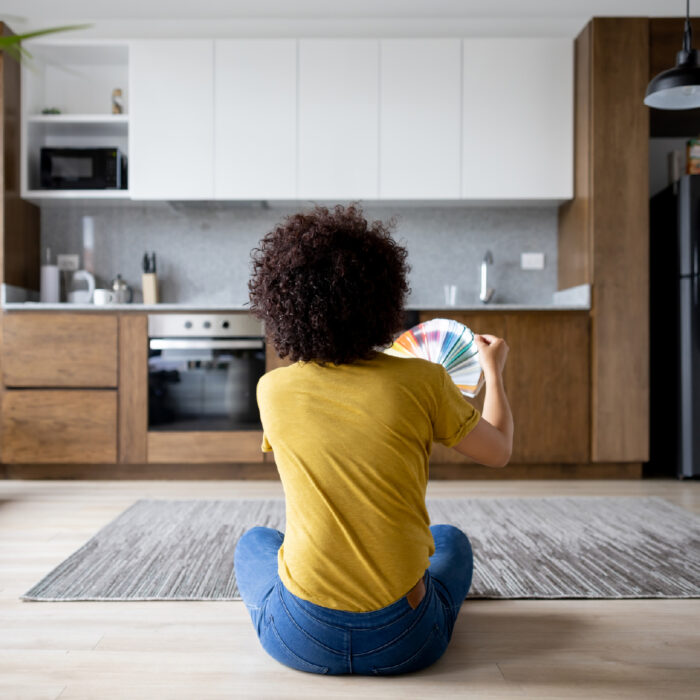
<point>38,306</point>
<point>573,299</point>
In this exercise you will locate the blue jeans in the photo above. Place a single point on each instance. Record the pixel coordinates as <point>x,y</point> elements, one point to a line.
<point>394,639</point>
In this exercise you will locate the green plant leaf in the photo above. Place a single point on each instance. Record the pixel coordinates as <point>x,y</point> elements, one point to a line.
<point>41,32</point>
<point>12,45</point>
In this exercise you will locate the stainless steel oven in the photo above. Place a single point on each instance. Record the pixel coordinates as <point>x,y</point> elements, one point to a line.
<point>203,370</point>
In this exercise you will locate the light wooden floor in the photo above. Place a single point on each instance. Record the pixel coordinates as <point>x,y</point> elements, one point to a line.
<point>534,649</point>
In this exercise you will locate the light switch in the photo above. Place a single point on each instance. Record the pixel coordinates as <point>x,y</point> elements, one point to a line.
<point>68,262</point>
<point>532,261</point>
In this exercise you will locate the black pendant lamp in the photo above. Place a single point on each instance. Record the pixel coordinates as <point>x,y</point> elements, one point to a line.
<point>679,87</point>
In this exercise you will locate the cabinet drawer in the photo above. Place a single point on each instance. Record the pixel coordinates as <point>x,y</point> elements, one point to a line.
<point>59,350</point>
<point>202,447</point>
<point>53,426</point>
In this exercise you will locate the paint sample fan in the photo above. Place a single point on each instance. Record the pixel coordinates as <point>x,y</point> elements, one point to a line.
<point>447,343</point>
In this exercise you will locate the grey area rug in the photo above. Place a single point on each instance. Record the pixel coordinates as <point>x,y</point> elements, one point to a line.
<point>559,547</point>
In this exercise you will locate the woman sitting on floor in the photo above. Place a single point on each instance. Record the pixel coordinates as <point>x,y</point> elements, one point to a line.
<point>360,583</point>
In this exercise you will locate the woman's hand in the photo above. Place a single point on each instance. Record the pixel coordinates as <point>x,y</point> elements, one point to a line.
<point>491,440</point>
<point>493,352</point>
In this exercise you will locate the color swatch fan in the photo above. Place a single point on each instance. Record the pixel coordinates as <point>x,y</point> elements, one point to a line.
<point>447,343</point>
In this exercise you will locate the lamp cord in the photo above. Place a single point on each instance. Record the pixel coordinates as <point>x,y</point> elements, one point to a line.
<point>688,32</point>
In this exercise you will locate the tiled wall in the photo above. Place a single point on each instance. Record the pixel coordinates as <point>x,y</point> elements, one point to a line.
<point>203,249</point>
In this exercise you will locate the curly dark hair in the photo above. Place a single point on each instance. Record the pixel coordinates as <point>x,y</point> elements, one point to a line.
<point>329,286</point>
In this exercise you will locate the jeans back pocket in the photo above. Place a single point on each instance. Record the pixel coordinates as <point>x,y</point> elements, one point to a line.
<point>429,651</point>
<point>276,647</point>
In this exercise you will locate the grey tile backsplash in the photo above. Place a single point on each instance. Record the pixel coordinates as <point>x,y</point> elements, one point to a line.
<point>203,249</point>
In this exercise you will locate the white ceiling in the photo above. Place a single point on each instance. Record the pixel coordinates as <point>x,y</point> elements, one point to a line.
<point>213,9</point>
<point>342,17</point>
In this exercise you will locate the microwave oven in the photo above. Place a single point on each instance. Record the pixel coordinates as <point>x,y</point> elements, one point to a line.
<point>83,169</point>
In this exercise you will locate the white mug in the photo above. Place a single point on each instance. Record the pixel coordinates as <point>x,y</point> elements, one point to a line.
<point>103,296</point>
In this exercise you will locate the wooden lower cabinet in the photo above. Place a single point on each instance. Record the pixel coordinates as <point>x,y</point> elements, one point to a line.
<point>45,349</point>
<point>58,426</point>
<point>205,447</point>
<point>546,380</point>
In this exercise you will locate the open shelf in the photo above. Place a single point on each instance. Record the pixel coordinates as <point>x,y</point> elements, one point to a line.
<point>36,195</point>
<point>78,119</point>
<point>77,78</point>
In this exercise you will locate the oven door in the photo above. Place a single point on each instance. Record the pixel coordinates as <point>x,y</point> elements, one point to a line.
<point>199,384</point>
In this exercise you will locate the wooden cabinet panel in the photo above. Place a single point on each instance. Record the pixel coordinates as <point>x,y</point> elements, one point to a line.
<point>420,115</point>
<point>59,426</point>
<point>59,350</point>
<point>19,220</point>
<point>574,234</point>
<point>546,380</point>
<point>604,232</point>
<point>620,228</point>
<point>133,388</point>
<point>205,446</point>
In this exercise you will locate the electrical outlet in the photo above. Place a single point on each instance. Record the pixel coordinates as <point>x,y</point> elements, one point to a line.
<point>68,262</point>
<point>532,261</point>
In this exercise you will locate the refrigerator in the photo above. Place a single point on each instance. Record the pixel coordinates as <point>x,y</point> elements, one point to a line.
<point>674,305</point>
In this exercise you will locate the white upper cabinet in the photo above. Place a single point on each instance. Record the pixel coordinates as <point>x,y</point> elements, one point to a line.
<point>171,131</point>
<point>322,119</point>
<point>338,137</point>
<point>255,118</point>
<point>517,127</point>
<point>420,115</point>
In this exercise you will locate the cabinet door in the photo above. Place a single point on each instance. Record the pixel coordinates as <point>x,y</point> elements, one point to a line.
<point>549,384</point>
<point>517,126</point>
<point>59,426</point>
<point>420,115</point>
<point>546,380</point>
<point>255,118</point>
<point>171,122</point>
<point>59,350</point>
<point>338,118</point>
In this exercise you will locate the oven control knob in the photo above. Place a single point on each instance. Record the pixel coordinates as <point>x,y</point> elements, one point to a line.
<point>188,324</point>
<point>207,324</point>
<point>225,324</point>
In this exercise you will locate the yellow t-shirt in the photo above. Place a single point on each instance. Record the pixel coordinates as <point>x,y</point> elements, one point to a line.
<point>352,444</point>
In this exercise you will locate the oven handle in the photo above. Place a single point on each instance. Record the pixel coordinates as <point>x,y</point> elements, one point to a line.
<point>204,344</point>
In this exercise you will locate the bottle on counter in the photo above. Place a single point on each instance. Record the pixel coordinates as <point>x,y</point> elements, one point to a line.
<point>89,244</point>
<point>50,281</point>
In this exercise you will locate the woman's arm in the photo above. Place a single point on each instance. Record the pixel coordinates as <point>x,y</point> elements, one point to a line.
<point>491,441</point>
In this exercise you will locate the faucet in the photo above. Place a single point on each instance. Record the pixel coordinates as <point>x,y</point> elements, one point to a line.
<point>486,292</point>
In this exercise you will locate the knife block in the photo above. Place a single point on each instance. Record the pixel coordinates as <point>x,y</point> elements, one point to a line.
<point>149,283</point>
